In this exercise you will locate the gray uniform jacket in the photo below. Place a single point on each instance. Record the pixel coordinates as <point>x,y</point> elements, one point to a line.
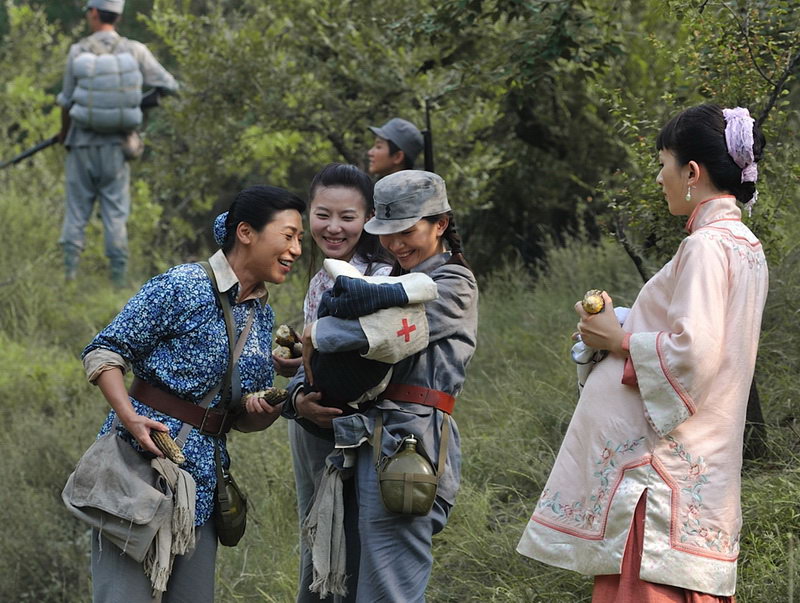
<point>153,75</point>
<point>453,325</point>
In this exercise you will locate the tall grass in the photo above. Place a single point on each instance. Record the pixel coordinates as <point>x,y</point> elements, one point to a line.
<point>516,405</point>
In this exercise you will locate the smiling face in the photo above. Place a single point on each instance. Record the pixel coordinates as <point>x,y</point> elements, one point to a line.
<point>674,181</point>
<point>337,218</point>
<point>416,244</point>
<point>381,160</point>
<point>274,249</point>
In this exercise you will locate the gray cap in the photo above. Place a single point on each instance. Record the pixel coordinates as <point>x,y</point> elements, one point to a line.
<point>402,199</point>
<point>112,6</point>
<point>402,133</point>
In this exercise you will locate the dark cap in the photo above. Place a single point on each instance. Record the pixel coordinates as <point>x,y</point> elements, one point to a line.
<point>402,133</point>
<point>402,199</point>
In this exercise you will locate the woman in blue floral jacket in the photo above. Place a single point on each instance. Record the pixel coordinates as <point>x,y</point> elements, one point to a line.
<point>172,335</point>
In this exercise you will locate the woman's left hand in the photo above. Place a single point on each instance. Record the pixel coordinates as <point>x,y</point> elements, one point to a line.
<point>286,367</point>
<point>259,414</point>
<point>601,331</point>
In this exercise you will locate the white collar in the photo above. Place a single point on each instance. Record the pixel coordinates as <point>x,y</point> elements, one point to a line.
<point>227,279</point>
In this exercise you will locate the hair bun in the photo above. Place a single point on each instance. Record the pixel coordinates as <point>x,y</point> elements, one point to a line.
<point>220,231</point>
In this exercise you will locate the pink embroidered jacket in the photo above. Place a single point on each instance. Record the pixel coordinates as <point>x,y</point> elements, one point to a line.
<point>677,433</point>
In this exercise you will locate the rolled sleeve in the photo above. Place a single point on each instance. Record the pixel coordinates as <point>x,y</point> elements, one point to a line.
<point>100,360</point>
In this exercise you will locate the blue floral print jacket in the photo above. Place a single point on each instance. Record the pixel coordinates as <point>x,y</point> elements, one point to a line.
<point>172,334</point>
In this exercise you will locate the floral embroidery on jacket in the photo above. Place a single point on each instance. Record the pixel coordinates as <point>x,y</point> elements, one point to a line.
<point>692,530</point>
<point>734,238</point>
<point>579,513</point>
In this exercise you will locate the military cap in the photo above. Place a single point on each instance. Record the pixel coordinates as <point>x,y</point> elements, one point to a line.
<point>402,199</point>
<point>402,133</point>
<point>112,6</point>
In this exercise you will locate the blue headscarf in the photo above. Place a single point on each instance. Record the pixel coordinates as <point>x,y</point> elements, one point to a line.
<point>220,231</point>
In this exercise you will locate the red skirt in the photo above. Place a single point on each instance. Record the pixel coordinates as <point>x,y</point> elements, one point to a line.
<point>628,588</point>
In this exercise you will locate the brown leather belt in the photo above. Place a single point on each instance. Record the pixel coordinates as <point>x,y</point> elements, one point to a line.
<point>420,395</point>
<point>209,421</point>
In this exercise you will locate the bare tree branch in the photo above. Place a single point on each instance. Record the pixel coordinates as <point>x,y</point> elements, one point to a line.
<point>773,97</point>
<point>338,143</point>
<point>632,252</point>
<point>746,35</point>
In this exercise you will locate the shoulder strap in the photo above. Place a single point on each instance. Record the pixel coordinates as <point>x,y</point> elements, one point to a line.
<point>206,402</point>
<point>225,303</point>
<point>232,385</point>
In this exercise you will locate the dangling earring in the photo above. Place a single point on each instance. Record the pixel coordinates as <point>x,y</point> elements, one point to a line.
<point>689,195</point>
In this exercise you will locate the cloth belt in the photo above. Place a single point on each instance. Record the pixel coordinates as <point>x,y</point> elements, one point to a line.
<point>209,421</point>
<point>420,395</point>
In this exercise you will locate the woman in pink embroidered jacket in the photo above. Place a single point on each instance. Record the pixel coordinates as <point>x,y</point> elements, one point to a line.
<point>644,493</point>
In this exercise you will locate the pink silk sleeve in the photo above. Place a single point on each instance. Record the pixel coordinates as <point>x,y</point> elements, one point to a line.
<point>676,367</point>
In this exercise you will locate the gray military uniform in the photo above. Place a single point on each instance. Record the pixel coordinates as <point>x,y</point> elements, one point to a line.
<point>394,551</point>
<point>95,165</point>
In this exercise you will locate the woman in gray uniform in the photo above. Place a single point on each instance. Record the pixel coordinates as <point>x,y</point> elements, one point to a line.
<point>413,219</point>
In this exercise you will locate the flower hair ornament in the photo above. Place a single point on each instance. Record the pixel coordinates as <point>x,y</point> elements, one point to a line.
<point>739,140</point>
<point>219,228</point>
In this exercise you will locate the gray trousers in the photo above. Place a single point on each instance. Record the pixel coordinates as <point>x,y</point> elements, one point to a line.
<point>388,555</point>
<point>116,578</point>
<point>308,459</point>
<point>92,173</point>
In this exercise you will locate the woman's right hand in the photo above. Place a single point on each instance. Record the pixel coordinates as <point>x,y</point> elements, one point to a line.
<point>139,427</point>
<point>307,406</point>
<point>286,367</point>
<point>601,331</point>
<point>112,385</point>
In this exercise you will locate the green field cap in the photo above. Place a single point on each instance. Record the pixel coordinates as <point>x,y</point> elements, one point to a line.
<point>112,6</point>
<point>402,199</point>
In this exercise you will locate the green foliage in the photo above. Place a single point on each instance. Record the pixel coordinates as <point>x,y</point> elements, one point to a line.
<point>733,54</point>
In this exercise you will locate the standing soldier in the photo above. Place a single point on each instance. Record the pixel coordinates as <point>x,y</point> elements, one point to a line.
<point>100,108</point>
<point>397,144</point>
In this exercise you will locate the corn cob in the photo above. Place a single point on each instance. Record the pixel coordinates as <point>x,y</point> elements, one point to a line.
<point>168,446</point>
<point>282,351</point>
<point>593,301</point>
<point>289,341</point>
<point>286,336</point>
<point>271,395</point>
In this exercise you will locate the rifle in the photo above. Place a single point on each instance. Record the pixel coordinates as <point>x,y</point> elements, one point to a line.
<point>428,137</point>
<point>34,149</point>
<point>150,99</point>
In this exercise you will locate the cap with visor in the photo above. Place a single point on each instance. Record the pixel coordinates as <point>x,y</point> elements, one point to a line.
<point>112,6</point>
<point>402,133</point>
<point>402,199</point>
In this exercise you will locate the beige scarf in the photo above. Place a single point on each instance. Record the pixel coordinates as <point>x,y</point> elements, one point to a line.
<point>323,529</point>
<point>177,536</point>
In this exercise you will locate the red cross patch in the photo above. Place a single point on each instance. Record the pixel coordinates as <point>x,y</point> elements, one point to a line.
<point>406,330</point>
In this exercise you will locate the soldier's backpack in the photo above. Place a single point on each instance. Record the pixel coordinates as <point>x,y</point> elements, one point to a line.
<point>109,87</point>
